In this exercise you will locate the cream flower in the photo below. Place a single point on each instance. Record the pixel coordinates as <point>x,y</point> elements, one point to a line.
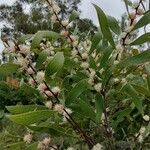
<point>28,138</point>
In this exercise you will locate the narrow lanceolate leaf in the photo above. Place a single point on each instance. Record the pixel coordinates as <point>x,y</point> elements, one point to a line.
<point>74,15</point>
<point>95,41</point>
<point>135,60</point>
<point>147,68</point>
<point>54,65</point>
<point>134,97</point>
<point>104,25</point>
<point>99,105</point>
<point>19,109</point>
<point>31,117</point>
<point>114,25</point>
<point>8,69</point>
<point>32,146</point>
<point>78,89</point>
<point>145,20</point>
<point>15,146</point>
<point>38,37</point>
<point>142,39</point>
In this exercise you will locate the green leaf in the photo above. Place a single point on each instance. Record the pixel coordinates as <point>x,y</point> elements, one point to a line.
<point>95,41</point>
<point>143,57</point>
<point>143,21</point>
<point>142,90</point>
<point>106,54</point>
<point>86,109</point>
<point>104,25</point>
<point>53,130</point>
<point>114,25</point>
<point>32,117</point>
<point>134,97</point>
<point>99,105</point>
<point>147,68</point>
<point>19,109</point>
<point>23,38</point>
<point>38,37</point>
<point>8,69</point>
<point>41,59</point>
<point>32,146</point>
<point>15,146</point>
<point>54,65</point>
<point>78,89</point>
<point>142,39</point>
<point>74,15</point>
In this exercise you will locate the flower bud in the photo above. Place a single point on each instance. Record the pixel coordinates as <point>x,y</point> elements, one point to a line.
<point>53,18</point>
<point>140,11</point>
<point>30,71</point>
<point>48,93</point>
<point>56,8</point>
<point>64,33</point>
<point>98,87</point>
<point>42,87</point>
<point>132,15</point>
<point>142,130</point>
<point>56,90</point>
<point>65,22</point>
<point>59,108</point>
<point>40,76</point>
<point>28,138</point>
<point>49,104</point>
<point>146,118</point>
<point>84,56</point>
<point>85,65</point>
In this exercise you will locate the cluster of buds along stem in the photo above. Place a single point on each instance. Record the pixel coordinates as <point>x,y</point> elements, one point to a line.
<point>28,138</point>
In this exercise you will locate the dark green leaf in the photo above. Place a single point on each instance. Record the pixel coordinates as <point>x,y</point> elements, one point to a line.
<point>142,39</point>
<point>114,25</point>
<point>31,117</point>
<point>99,105</point>
<point>134,97</point>
<point>136,60</point>
<point>143,21</point>
<point>95,41</point>
<point>104,25</point>
<point>76,91</point>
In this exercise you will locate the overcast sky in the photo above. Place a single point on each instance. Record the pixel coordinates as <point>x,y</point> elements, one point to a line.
<point>112,7</point>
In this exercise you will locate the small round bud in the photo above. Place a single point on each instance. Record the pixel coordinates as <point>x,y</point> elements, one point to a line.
<point>97,147</point>
<point>59,108</point>
<point>91,81</point>
<point>42,87</point>
<point>140,138</point>
<point>129,29</point>
<point>116,80</point>
<point>49,104</point>
<point>64,33</point>
<point>146,118</point>
<point>30,71</point>
<point>85,65</point>
<point>68,111</point>
<point>28,138</point>
<point>74,53</point>
<point>65,23</point>
<point>56,90</point>
<point>40,76</point>
<point>142,130</point>
<point>48,93</point>
<point>140,11</point>
<point>98,87</point>
<point>132,15</point>
<point>53,18</point>
<point>84,56</point>
<point>46,141</point>
<point>123,35</point>
<point>56,8</point>
<point>116,62</point>
<point>119,48</point>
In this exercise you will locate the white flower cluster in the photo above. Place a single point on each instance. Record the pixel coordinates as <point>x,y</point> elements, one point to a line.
<point>28,138</point>
<point>44,144</point>
<point>146,118</point>
<point>97,147</point>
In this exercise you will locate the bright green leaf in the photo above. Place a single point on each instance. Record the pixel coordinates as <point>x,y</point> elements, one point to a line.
<point>54,65</point>
<point>74,15</point>
<point>31,117</point>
